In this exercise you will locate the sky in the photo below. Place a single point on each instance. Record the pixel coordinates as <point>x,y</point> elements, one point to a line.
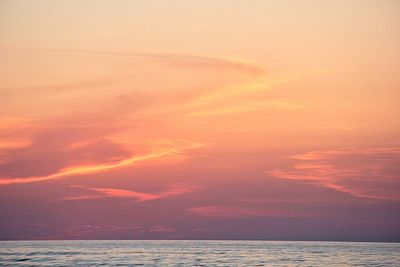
<point>144,119</point>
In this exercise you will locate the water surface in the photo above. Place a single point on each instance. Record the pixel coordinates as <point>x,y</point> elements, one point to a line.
<point>197,253</point>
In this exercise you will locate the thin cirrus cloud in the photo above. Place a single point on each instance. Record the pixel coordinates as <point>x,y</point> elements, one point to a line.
<point>369,172</point>
<point>81,143</point>
<point>249,106</point>
<point>99,167</point>
<point>173,190</point>
<point>219,82</point>
<point>75,148</point>
<point>180,60</point>
<point>84,231</point>
<point>224,211</point>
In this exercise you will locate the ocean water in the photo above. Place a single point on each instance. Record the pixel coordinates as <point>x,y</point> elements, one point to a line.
<point>197,253</point>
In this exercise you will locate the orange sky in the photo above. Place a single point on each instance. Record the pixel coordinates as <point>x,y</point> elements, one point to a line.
<point>200,119</point>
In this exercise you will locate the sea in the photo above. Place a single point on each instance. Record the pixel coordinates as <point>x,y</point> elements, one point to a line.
<point>197,253</point>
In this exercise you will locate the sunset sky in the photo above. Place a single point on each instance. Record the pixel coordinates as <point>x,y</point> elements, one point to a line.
<point>205,119</point>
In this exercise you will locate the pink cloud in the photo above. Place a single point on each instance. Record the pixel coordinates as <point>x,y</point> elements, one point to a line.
<point>87,230</point>
<point>162,229</point>
<point>84,230</point>
<point>369,172</point>
<point>241,212</point>
<point>72,150</point>
<point>173,190</point>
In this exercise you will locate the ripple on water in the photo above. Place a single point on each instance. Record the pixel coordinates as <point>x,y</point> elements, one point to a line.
<point>24,259</point>
<point>197,253</point>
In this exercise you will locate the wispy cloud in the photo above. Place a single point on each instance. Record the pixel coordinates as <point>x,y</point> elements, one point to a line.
<point>248,106</point>
<point>82,231</point>
<point>241,212</point>
<point>248,96</point>
<point>174,190</point>
<point>96,168</point>
<point>365,172</point>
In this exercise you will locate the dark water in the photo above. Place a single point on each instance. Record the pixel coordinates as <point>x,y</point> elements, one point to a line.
<point>197,253</point>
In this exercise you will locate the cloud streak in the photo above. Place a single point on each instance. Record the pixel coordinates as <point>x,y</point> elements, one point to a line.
<point>370,172</point>
<point>174,190</point>
<point>220,211</point>
<point>96,168</point>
